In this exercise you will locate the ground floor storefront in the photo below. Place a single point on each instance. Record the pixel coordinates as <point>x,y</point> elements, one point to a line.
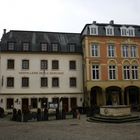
<point>34,101</point>
<point>113,95</point>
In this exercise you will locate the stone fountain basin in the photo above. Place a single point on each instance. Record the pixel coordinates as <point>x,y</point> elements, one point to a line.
<point>115,110</point>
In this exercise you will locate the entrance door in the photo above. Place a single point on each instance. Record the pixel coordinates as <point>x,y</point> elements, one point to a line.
<point>65,105</point>
<point>25,104</point>
<point>73,102</point>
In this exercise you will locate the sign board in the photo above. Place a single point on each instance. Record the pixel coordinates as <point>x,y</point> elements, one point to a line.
<point>53,105</point>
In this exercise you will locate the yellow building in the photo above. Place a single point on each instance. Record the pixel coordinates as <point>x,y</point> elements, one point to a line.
<point>111,57</point>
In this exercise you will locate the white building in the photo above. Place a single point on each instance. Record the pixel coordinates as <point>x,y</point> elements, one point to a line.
<point>40,67</point>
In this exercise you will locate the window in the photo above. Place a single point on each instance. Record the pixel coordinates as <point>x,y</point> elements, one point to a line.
<point>95,72</point>
<point>55,47</point>
<point>55,82</point>
<point>10,81</point>
<point>34,102</point>
<point>44,64</point>
<point>44,47</point>
<point>133,51</point>
<point>11,46</point>
<point>112,72</point>
<point>25,64</point>
<point>123,31</point>
<point>72,65</point>
<point>134,72</point>
<point>25,46</point>
<point>55,64</point>
<point>111,50</point>
<point>44,81</point>
<point>10,64</point>
<point>125,51</point>
<point>95,50</point>
<point>10,103</point>
<point>93,29</point>
<point>109,30</point>
<point>126,70</point>
<point>131,31</point>
<point>72,47</point>
<point>25,82</point>
<point>72,82</point>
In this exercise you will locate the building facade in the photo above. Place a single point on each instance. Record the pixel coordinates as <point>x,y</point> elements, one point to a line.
<point>38,68</point>
<point>111,56</point>
<point>100,66</point>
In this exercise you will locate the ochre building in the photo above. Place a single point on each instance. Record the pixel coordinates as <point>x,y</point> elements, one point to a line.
<point>111,59</point>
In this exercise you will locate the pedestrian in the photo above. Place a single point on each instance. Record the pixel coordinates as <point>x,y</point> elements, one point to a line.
<point>78,114</point>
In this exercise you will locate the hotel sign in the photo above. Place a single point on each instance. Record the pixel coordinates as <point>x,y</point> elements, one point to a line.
<point>36,73</point>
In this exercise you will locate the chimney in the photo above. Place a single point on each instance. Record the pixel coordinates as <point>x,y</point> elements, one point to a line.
<point>94,22</point>
<point>111,22</point>
<point>4,31</point>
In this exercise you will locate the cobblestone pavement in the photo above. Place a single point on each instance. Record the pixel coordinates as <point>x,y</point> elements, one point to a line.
<point>70,129</point>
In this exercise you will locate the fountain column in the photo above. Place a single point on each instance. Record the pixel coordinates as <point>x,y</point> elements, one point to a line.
<point>127,95</point>
<point>104,96</point>
<point>122,96</point>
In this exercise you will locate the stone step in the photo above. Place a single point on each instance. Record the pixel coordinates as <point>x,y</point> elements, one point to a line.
<point>114,119</point>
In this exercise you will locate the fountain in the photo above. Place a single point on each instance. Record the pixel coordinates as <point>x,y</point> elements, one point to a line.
<point>115,114</point>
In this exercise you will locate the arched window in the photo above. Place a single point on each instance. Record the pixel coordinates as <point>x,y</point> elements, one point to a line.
<point>134,70</point>
<point>126,71</point>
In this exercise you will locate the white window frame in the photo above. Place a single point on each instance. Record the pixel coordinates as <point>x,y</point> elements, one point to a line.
<point>25,46</point>
<point>131,31</point>
<point>97,70</point>
<point>109,30</point>
<point>112,72</point>
<point>134,72</point>
<point>123,31</point>
<point>95,50</point>
<point>133,51</point>
<point>111,50</point>
<point>44,47</point>
<point>93,29</point>
<point>125,51</point>
<point>126,72</point>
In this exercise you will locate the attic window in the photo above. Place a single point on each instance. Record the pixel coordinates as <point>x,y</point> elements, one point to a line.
<point>25,46</point>
<point>130,31</point>
<point>11,46</point>
<point>72,47</point>
<point>44,46</point>
<point>109,30</point>
<point>93,30</point>
<point>55,47</point>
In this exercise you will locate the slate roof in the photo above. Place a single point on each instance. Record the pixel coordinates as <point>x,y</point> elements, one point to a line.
<point>35,38</point>
<point>117,32</point>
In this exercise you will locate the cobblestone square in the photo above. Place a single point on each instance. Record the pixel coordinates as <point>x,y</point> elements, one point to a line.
<point>70,129</point>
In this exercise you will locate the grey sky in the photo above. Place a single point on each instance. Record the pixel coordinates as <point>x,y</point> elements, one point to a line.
<point>65,15</point>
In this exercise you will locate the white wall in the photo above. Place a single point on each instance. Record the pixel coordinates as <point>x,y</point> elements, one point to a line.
<point>34,73</point>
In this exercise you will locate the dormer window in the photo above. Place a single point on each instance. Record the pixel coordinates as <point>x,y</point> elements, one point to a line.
<point>55,47</point>
<point>131,31</point>
<point>44,46</point>
<point>72,47</point>
<point>11,46</point>
<point>25,46</point>
<point>123,31</point>
<point>93,30</point>
<point>109,30</point>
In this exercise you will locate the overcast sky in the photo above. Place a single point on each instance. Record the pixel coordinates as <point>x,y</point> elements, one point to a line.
<point>65,15</point>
